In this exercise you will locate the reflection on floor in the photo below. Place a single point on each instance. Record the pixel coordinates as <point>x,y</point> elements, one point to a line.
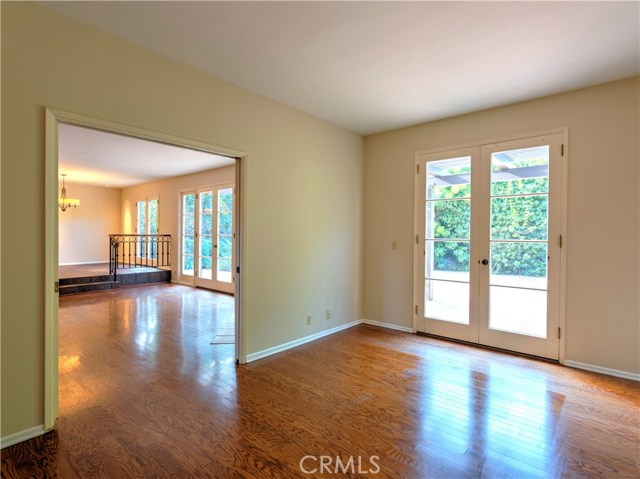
<point>144,394</point>
<point>226,334</point>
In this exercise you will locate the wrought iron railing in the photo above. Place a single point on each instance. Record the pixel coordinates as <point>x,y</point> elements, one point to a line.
<point>138,251</point>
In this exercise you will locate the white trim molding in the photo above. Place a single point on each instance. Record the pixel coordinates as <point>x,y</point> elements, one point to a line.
<point>20,436</point>
<point>602,370</point>
<point>298,342</point>
<point>395,327</point>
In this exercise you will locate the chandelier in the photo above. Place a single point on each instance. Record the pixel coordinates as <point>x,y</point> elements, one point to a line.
<point>63,201</point>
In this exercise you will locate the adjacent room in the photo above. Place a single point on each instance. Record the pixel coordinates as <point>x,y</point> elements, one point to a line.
<point>135,212</point>
<point>320,239</point>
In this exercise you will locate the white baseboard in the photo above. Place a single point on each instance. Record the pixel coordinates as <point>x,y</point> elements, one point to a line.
<point>599,369</point>
<point>20,436</point>
<point>388,325</point>
<point>298,342</point>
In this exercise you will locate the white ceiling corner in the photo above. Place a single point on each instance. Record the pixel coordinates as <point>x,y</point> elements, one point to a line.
<point>375,66</point>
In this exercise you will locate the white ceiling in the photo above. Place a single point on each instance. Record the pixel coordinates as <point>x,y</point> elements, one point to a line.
<point>375,66</point>
<point>105,159</point>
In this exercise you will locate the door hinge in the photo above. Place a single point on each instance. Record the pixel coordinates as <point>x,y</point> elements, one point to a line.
<point>562,150</point>
<point>56,286</point>
<point>416,309</point>
<point>560,241</point>
<point>417,239</point>
<point>559,335</point>
<point>417,169</point>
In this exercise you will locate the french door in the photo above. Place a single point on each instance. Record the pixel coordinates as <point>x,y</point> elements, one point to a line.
<point>489,224</point>
<point>147,214</point>
<point>206,239</point>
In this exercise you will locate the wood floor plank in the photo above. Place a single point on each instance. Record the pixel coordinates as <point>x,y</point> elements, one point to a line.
<point>144,395</point>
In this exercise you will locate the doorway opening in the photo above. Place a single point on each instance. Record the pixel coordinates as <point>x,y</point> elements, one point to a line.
<point>142,218</point>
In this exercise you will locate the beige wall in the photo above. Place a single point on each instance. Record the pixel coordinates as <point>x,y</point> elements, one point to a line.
<point>602,311</point>
<point>83,232</point>
<point>168,191</point>
<point>303,199</point>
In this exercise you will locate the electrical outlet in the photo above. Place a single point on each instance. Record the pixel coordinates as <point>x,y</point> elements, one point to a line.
<point>308,319</point>
<point>328,314</point>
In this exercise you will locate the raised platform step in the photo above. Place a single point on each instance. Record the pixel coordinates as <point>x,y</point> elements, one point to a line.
<point>85,280</point>
<point>87,284</point>
<point>87,287</point>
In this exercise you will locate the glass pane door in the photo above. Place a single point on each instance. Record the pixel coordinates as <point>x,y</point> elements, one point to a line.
<point>213,238</point>
<point>518,241</point>
<point>447,292</point>
<point>224,235</point>
<point>153,227</point>
<point>447,239</point>
<point>205,243</point>
<point>147,224</point>
<point>141,228</point>
<point>522,210</point>
<point>488,222</point>
<point>187,239</point>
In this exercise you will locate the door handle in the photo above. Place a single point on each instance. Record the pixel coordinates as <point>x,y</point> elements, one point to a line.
<point>215,245</point>
<point>485,261</point>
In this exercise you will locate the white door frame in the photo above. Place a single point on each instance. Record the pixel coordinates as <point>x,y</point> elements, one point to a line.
<point>52,119</point>
<point>418,315</point>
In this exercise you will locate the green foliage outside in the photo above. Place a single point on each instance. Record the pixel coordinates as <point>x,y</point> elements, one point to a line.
<point>153,217</point>
<point>512,218</point>
<point>225,227</point>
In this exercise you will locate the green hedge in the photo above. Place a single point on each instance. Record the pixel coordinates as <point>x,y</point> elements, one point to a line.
<point>512,218</point>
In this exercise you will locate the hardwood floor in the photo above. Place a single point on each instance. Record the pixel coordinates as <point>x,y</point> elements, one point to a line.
<point>144,395</point>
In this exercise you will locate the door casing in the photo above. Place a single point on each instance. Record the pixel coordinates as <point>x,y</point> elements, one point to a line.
<point>52,118</point>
